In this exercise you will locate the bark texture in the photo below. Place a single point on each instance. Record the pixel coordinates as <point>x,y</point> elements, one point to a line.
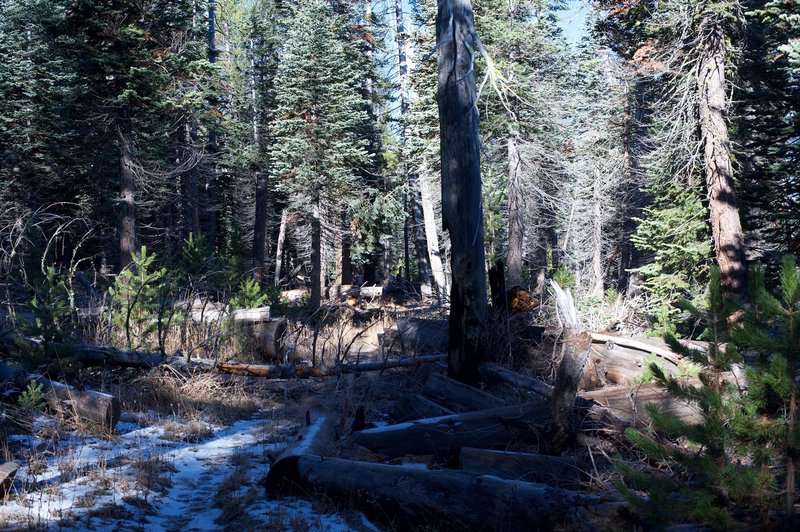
<point>515,209</point>
<point>461,186</point>
<point>127,201</point>
<point>726,226</point>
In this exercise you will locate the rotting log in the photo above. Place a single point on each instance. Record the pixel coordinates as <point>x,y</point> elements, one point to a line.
<point>445,436</point>
<point>90,355</point>
<point>412,406</point>
<point>275,371</point>
<point>458,396</point>
<point>413,497</point>
<point>251,315</point>
<point>8,471</point>
<point>627,404</point>
<point>100,408</point>
<point>552,470</point>
<point>269,337</point>
<point>492,373</point>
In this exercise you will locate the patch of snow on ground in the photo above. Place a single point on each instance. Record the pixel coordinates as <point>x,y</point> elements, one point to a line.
<point>137,480</point>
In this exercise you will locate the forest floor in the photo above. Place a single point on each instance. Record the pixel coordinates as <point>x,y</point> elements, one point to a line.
<point>163,473</point>
<point>192,450</point>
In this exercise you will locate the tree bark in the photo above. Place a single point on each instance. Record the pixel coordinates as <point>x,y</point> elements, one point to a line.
<point>316,259</point>
<point>100,408</point>
<point>260,228</point>
<point>457,396</point>
<point>127,203</point>
<point>191,201</point>
<point>515,210</point>
<point>431,237</point>
<point>445,436</point>
<point>726,226</point>
<point>412,498</point>
<point>461,186</point>
<point>552,470</point>
<point>597,236</point>
<point>279,246</point>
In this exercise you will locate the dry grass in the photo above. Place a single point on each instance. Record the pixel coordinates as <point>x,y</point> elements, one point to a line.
<point>207,397</point>
<point>154,474</point>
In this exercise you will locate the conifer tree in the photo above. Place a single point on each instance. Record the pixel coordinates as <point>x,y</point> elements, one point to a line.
<point>318,152</point>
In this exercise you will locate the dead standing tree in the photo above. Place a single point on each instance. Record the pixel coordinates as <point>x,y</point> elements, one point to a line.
<point>461,185</point>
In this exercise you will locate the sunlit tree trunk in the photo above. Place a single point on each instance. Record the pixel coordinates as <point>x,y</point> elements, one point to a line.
<point>726,227</point>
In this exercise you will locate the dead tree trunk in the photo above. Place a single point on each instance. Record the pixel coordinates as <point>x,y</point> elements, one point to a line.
<point>726,227</point>
<point>127,203</point>
<point>431,237</point>
<point>279,246</point>
<point>575,351</point>
<point>597,235</point>
<point>423,498</point>
<point>316,259</point>
<point>515,209</point>
<point>461,185</point>
<point>100,408</point>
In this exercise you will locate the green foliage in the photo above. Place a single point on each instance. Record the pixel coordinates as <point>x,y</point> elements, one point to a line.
<point>564,278</point>
<point>710,482</point>
<point>33,397</point>
<point>51,309</point>
<point>672,231</point>
<point>249,295</point>
<point>138,298</point>
<point>197,256</point>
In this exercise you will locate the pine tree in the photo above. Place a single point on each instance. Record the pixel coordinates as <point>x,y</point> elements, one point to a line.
<point>320,110</point>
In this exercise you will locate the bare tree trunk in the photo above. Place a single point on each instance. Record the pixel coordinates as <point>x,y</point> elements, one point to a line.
<point>431,237</point>
<point>279,246</point>
<point>210,203</point>
<point>316,259</point>
<point>597,236</point>
<point>726,227</point>
<point>191,204</point>
<point>127,204</point>
<point>461,186</point>
<point>515,208</point>
<point>261,210</point>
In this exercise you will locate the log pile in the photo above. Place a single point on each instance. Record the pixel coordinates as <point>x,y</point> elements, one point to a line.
<point>450,448</point>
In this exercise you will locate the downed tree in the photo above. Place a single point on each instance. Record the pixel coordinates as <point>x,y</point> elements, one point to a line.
<point>445,436</point>
<point>90,355</point>
<point>493,373</point>
<point>415,497</point>
<point>413,406</point>
<point>553,470</point>
<point>457,396</point>
<point>626,405</point>
<point>8,471</point>
<point>100,408</point>
<point>416,335</point>
<point>287,371</point>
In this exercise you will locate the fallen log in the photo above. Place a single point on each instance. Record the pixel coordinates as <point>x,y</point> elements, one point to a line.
<point>100,408</point>
<point>8,471</point>
<point>493,373</point>
<point>552,470</point>
<point>445,436</point>
<point>457,396</point>
<point>412,406</point>
<point>627,404</point>
<point>415,497</point>
<point>251,315</point>
<point>90,355</point>
<point>268,337</point>
<point>287,371</point>
<point>647,345</point>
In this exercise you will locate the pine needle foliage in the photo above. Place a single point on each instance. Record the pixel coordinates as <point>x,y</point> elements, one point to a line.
<point>771,332</point>
<point>711,480</point>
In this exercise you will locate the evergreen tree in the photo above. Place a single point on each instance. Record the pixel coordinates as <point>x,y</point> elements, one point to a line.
<point>318,152</point>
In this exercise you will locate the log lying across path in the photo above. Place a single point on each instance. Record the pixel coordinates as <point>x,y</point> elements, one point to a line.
<point>274,371</point>
<point>433,498</point>
<point>445,436</point>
